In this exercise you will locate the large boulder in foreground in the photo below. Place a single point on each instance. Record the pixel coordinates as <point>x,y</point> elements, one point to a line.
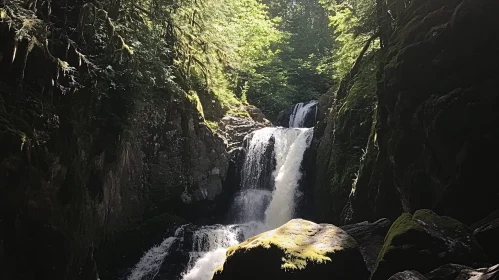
<point>369,237</point>
<point>425,241</point>
<point>297,250</point>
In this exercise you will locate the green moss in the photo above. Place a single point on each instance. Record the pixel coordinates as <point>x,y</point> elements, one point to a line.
<point>362,92</point>
<point>294,240</point>
<point>407,222</point>
<point>213,126</point>
<point>194,98</point>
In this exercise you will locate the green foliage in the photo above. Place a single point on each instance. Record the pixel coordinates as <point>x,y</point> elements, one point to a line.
<point>300,70</point>
<point>217,41</point>
<point>353,24</point>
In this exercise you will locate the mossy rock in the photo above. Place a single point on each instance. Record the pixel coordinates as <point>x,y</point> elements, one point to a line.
<point>297,250</point>
<point>423,242</point>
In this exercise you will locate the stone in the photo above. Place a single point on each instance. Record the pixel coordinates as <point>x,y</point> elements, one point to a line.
<point>369,237</point>
<point>488,237</point>
<point>446,272</point>
<point>423,242</point>
<point>299,249</point>
<point>491,273</point>
<point>408,275</point>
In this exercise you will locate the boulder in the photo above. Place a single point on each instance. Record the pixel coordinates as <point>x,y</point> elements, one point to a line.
<point>487,236</point>
<point>297,250</point>
<point>491,273</point>
<point>460,272</point>
<point>234,128</point>
<point>423,242</point>
<point>369,237</point>
<point>446,272</point>
<point>408,275</point>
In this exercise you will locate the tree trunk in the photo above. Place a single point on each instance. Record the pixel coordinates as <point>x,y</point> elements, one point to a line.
<point>347,80</point>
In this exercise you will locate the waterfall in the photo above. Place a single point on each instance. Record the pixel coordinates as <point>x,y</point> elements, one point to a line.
<point>281,207</point>
<point>269,185</point>
<point>300,113</point>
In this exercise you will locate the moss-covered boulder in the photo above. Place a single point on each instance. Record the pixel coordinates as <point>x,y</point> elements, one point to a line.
<point>297,250</point>
<point>423,242</point>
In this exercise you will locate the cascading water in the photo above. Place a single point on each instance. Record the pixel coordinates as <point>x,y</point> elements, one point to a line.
<point>270,178</point>
<point>281,207</point>
<point>300,113</point>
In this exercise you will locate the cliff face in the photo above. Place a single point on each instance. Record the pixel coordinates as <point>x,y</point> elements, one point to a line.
<point>71,179</point>
<point>432,143</point>
<point>79,168</point>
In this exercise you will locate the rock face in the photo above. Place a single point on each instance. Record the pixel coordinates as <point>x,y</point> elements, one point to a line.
<point>423,242</point>
<point>88,167</point>
<point>369,237</point>
<point>436,116</point>
<point>235,128</point>
<point>297,250</point>
<point>343,146</point>
<point>432,142</point>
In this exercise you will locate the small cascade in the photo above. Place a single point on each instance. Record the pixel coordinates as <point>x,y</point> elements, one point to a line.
<point>269,185</point>
<point>148,266</point>
<point>300,113</point>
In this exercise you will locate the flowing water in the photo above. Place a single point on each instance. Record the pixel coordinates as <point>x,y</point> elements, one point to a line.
<point>300,113</point>
<point>269,186</point>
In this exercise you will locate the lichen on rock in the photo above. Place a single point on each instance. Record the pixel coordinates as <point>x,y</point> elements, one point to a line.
<point>297,250</point>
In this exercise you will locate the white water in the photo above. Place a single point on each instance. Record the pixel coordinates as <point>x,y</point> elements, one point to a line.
<point>266,201</point>
<point>148,266</point>
<point>300,111</point>
<point>281,209</point>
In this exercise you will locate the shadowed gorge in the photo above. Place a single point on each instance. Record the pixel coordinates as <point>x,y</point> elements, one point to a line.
<point>249,139</point>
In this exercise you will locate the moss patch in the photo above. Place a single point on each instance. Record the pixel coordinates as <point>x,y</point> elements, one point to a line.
<point>425,241</point>
<point>301,241</point>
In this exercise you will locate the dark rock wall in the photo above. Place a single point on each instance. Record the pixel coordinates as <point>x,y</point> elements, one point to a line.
<point>439,107</point>
<point>79,169</point>
<point>432,144</point>
<point>341,141</point>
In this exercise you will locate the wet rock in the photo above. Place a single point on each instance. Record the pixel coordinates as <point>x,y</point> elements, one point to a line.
<point>283,117</point>
<point>297,250</point>
<point>408,275</point>
<point>491,273</point>
<point>235,128</point>
<point>424,241</point>
<point>461,272</point>
<point>488,237</point>
<point>257,114</point>
<point>446,272</point>
<point>369,237</point>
